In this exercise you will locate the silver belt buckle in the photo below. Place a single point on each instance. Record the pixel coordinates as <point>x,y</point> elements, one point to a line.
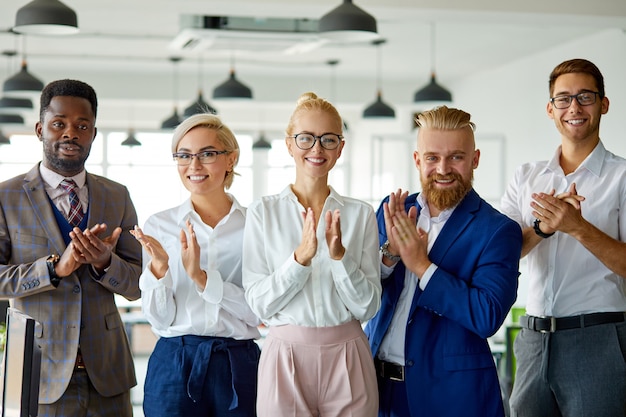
<point>552,325</point>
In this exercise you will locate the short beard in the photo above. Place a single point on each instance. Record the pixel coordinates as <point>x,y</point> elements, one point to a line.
<point>448,198</point>
<point>64,165</point>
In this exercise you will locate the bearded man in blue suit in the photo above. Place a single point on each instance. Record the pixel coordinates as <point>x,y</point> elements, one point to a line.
<point>450,268</point>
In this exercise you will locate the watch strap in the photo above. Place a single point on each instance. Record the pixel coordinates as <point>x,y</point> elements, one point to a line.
<point>538,230</point>
<point>51,261</point>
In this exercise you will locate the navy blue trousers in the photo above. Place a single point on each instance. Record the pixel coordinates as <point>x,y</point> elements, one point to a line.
<point>201,376</point>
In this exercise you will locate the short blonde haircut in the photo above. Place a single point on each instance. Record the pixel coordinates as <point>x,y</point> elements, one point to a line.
<point>224,135</point>
<point>444,118</point>
<point>311,102</point>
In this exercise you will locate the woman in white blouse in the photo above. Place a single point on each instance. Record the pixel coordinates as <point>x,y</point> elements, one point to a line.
<point>205,361</point>
<point>311,273</point>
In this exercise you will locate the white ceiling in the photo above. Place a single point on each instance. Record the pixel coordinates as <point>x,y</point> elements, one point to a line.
<point>135,37</point>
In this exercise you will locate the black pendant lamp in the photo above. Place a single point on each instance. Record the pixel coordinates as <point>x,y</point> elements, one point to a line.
<point>199,106</point>
<point>13,119</point>
<point>262,143</point>
<point>348,22</point>
<point>232,88</point>
<point>22,82</point>
<point>46,17</point>
<point>379,109</point>
<point>174,120</point>
<point>432,91</point>
<point>131,140</point>
<point>13,104</point>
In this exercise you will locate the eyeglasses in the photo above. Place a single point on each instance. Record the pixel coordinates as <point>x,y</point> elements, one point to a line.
<point>205,157</point>
<point>328,141</point>
<point>586,98</point>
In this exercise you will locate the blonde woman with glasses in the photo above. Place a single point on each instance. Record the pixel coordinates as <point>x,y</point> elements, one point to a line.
<point>311,273</point>
<point>205,360</point>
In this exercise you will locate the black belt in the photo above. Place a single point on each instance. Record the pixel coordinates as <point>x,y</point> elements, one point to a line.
<point>389,370</point>
<point>553,324</point>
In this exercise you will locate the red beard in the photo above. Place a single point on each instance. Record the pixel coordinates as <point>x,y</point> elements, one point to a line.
<point>446,198</point>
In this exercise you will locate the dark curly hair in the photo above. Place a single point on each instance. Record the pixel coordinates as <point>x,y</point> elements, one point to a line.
<point>72,88</point>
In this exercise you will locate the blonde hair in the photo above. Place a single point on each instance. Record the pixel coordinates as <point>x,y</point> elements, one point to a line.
<point>444,118</point>
<point>311,102</point>
<point>225,137</point>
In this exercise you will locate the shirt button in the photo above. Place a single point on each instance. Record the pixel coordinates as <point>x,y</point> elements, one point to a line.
<point>409,363</point>
<point>76,289</point>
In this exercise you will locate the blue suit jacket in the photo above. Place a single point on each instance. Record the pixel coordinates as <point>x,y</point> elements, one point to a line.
<point>449,367</point>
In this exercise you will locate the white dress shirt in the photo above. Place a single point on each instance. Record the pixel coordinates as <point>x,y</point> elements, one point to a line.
<point>392,346</point>
<point>174,305</point>
<point>565,278</point>
<point>325,293</point>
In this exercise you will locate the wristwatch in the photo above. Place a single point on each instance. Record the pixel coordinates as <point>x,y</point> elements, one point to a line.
<point>51,261</point>
<point>385,250</point>
<point>538,230</point>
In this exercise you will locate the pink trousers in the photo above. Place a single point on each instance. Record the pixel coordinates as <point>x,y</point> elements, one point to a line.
<point>317,371</point>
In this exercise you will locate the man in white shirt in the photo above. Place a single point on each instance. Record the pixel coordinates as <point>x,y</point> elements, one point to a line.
<point>572,209</point>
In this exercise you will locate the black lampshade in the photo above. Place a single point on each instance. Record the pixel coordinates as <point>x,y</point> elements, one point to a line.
<point>432,92</point>
<point>261,143</point>
<point>348,22</point>
<point>14,119</point>
<point>379,109</point>
<point>22,82</point>
<point>199,106</point>
<point>131,140</point>
<point>46,17</point>
<point>172,121</point>
<point>4,140</point>
<point>232,88</point>
<point>13,104</point>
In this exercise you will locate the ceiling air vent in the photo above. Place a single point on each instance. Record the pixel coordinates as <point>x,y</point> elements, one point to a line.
<point>247,34</point>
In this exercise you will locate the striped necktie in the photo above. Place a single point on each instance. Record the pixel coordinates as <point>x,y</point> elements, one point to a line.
<point>75,216</point>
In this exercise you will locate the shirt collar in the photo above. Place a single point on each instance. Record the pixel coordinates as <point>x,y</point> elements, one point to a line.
<point>592,163</point>
<point>53,179</point>
<point>288,193</point>
<point>443,216</point>
<point>186,211</point>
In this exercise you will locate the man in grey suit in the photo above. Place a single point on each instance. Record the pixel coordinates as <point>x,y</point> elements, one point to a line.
<point>65,251</point>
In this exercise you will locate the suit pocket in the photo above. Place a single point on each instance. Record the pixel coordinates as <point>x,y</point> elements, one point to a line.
<point>113,321</point>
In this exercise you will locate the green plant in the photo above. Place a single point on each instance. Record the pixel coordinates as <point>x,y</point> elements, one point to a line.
<point>3,336</point>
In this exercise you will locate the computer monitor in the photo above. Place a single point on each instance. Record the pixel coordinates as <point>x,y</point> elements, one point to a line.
<point>21,367</point>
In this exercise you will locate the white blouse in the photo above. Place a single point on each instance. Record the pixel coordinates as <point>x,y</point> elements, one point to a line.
<point>327,292</point>
<point>174,305</point>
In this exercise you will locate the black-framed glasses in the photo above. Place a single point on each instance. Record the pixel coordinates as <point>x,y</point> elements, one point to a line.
<point>205,157</point>
<point>328,141</point>
<point>586,98</point>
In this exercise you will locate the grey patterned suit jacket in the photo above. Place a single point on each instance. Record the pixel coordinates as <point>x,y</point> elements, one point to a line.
<point>82,309</point>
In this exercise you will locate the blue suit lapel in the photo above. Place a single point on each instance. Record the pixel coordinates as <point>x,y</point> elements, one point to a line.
<point>452,230</point>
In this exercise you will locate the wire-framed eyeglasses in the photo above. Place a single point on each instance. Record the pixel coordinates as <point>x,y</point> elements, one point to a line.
<point>328,141</point>
<point>205,157</point>
<point>586,98</point>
